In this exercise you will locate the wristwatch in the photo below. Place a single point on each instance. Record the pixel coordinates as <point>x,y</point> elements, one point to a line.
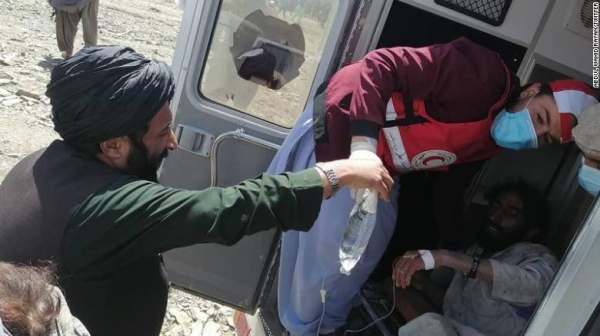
<point>331,177</point>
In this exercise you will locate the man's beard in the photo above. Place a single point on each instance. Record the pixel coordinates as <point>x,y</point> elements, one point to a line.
<point>492,238</point>
<point>141,164</point>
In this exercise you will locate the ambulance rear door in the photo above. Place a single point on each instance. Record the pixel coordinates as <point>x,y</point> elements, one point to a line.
<point>229,126</point>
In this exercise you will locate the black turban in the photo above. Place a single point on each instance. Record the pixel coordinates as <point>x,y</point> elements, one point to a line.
<point>105,92</point>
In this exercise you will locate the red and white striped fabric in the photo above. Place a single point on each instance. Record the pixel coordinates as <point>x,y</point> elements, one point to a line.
<point>572,97</point>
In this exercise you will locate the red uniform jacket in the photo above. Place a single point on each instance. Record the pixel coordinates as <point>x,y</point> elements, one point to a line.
<point>458,82</point>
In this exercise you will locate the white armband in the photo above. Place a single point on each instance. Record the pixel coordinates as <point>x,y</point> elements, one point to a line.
<point>428,260</point>
<point>363,146</point>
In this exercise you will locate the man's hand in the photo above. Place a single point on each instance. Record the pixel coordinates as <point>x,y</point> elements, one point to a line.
<point>359,174</point>
<point>411,262</point>
<point>405,267</point>
<point>364,154</point>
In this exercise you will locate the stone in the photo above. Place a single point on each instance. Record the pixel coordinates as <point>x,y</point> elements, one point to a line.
<point>4,93</point>
<point>211,311</point>
<point>211,329</point>
<point>4,81</point>
<point>46,124</point>
<point>195,312</point>
<point>177,331</point>
<point>28,93</point>
<point>203,317</point>
<point>5,62</point>
<point>9,97</point>
<point>181,317</point>
<point>197,328</point>
<point>230,321</point>
<point>29,100</point>
<point>11,102</point>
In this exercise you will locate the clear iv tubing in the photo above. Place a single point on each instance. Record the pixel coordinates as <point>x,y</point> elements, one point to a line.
<point>323,294</point>
<point>379,319</point>
<point>323,300</point>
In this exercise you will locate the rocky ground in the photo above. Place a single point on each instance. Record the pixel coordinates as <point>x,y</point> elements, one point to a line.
<point>27,54</point>
<point>190,315</point>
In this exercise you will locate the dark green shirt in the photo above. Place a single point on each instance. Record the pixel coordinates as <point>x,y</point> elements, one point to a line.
<point>132,218</point>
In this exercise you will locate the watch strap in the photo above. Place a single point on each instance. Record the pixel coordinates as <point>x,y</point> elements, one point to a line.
<point>474,267</point>
<point>334,182</point>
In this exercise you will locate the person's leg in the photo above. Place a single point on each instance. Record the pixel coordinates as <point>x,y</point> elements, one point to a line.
<point>66,29</point>
<point>310,262</point>
<point>427,325</point>
<point>343,288</point>
<point>297,153</point>
<point>410,303</point>
<point>89,15</point>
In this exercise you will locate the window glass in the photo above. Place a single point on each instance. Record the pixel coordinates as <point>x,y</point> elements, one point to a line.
<point>264,54</point>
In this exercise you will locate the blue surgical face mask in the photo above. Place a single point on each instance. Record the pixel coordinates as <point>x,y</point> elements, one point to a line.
<point>589,178</point>
<point>515,130</point>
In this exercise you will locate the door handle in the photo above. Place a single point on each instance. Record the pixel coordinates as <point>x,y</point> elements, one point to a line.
<point>194,140</point>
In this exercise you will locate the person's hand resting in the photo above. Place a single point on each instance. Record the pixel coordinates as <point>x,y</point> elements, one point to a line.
<point>413,261</point>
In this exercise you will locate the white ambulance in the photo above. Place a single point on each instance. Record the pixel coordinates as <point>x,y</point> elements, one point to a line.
<point>229,126</point>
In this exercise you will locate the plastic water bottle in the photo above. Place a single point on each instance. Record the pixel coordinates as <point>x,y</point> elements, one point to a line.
<point>358,231</point>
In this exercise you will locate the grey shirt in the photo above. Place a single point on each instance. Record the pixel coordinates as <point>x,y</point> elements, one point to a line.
<point>69,5</point>
<point>521,275</point>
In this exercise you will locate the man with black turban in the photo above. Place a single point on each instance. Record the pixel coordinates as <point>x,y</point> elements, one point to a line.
<point>91,201</point>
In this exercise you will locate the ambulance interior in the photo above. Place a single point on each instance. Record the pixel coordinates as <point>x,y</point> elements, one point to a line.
<point>448,207</point>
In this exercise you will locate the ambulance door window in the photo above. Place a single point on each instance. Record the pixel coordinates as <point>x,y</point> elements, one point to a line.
<point>264,54</point>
